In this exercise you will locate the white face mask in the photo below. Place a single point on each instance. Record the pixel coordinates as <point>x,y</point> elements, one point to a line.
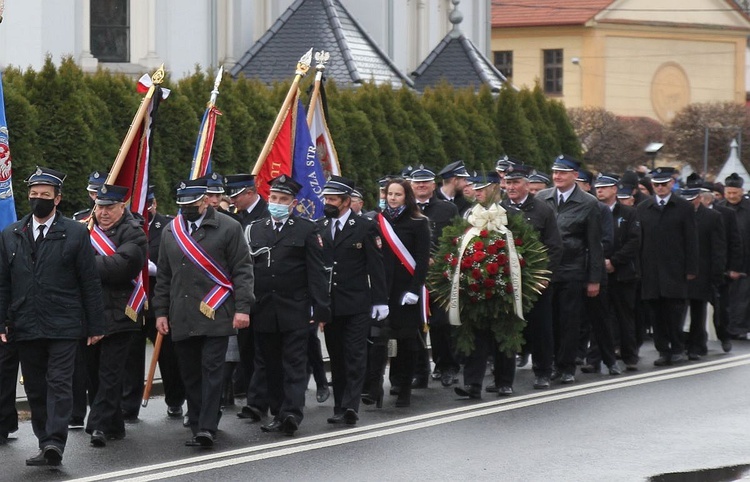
<point>278,211</point>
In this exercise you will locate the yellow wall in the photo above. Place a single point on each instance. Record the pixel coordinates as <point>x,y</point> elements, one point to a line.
<point>619,65</point>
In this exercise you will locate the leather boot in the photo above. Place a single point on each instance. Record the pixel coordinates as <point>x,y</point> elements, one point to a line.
<point>377,359</point>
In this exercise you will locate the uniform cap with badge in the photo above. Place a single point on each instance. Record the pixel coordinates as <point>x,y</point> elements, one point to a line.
<point>109,194</point>
<point>214,183</point>
<point>96,179</point>
<point>285,184</point>
<point>338,186</point>
<point>662,174</point>
<point>566,163</point>
<point>690,193</point>
<point>519,171</point>
<point>454,169</point>
<point>539,177</point>
<point>505,162</point>
<point>605,179</point>
<point>236,184</point>
<point>584,175</point>
<point>46,176</point>
<point>422,174</point>
<point>624,191</point>
<point>487,179</point>
<point>190,191</point>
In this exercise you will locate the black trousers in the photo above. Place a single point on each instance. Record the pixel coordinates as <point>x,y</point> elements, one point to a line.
<point>135,371</point>
<point>667,315</point>
<point>567,310</point>
<point>201,360</point>
<point>315,365</point>
<point>47,367</point>
<point>602,347</point>
<point>106,412</point>
<point>8,380</point>
<point>404,364</point>
<point>346,340</point>
<point>475,364</point>
<point>442,341</point>
<point>697,339</point>
<point>721,311</point>
<point>621,299</point>
<point>81,384</point>
<point>246,369</point>
<point>539,334</point>
<point>285,357</point>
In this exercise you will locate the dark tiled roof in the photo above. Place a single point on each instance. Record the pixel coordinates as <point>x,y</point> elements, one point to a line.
<point>458,61</point>
<point>533,13</point>
<point>322,25</point>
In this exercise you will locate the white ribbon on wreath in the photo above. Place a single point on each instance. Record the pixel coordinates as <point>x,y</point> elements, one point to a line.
<point>493,219</point>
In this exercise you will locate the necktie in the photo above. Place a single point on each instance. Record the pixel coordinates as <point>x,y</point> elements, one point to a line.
<point>193,228</point>
<point>40,236</point>
<point>277,226</point>
<point>337,231</point>
<point>562,200</point>
<point>422,205</point>
<point>662,203</point>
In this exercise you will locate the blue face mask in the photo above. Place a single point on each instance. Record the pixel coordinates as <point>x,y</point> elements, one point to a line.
<point>278,211</point>
<point>382,204</point>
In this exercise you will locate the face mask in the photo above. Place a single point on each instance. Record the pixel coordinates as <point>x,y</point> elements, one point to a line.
<point>41,207</point>
<point>278,211</point>
<point>190,213</point>
<point>382,204</point>
<point>330,211</point>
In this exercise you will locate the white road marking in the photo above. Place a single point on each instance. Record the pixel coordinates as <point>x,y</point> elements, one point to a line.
<point>356,434</point>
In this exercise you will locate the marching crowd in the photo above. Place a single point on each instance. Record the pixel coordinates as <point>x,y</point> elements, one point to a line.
<point>238,287</point>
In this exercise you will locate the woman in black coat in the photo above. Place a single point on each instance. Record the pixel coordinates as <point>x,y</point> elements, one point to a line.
<point>404,283</point>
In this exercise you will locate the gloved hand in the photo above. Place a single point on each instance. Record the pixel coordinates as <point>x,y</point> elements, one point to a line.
<point>409,299</point>
<point>151,268</point>
<point>379,312</point>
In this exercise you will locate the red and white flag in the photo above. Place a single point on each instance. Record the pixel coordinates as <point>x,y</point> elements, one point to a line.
<point>321,136</point>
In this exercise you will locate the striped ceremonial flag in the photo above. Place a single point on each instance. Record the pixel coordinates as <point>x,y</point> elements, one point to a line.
<point>7,204</point>
<point>205,143</point>
<point>327,155</point>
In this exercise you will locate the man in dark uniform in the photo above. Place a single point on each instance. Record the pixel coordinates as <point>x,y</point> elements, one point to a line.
<point>579,273</point>
<point>290,293</point>
<point>121,247</point>
<point>174,390</point>
<point>202,311</point>
<point>669,254</point>
<point>538,181</point>
<point>214,189</point>
<point>538,332</point>
<point>739,288</point>
<point>440,214</point>
<point>454,177</point>
<point>622,266</point>
<point>45,249</point>
<point>96,179</point>
<point>352,252</point>
<point>712,259</point>
<point>248,204</point>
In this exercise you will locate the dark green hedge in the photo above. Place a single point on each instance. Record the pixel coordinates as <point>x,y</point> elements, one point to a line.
<point>62,118</point>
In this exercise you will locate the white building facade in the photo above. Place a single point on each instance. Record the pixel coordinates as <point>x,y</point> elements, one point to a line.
<point>134,36</point>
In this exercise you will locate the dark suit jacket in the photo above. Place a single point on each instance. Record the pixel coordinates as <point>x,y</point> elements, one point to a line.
<point>290,279</point>
<point>712,254</point>
<point>580,223</point>
<point>627,249</point>
<point>542,218</point>
<point>245,218</point>
<point>355,258</point>
<point>735,242</point>
<point>669,248</point>
<point>459,200</point>
<point>440,214</point>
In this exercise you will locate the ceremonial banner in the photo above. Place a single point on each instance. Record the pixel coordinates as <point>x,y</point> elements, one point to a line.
<point>279,158</point>
<point>7,204</point>
<point>306,169</point>
<point>325,149</point>
<point>205,142</point>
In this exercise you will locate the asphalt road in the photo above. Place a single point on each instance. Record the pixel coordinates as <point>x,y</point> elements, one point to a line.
<point>631,427</point>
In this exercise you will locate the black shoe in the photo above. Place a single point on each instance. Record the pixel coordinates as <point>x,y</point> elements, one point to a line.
<point>53,455</point>
<point>395,390</point>
<point>470,391</point>
<point>3,438</point>
<point>676,359</point>
<point>726,345</point>
<point>350,417</point>
<point>204,438</point>
<point>591,368</point>
<point>250,412</point>
<point>523,359</point>
<point>631,367</point>
<point>419,383</point>
<point>375,394</point>
<point>663,361</point>
<point>38,460</point>
<point>491,388</point>
<point>174,411</point>
<point>130,417</point>
<point>541,383</point>
<point>504,391</point>
<point>579,361</point>
<point>289,425</point>
<point>98,439</point>
<point>436,375</point>
<point>273,426</point>
<point>614,369</point>
<point>448,378</point>
<point>337,418</point>
<point>322,394</point>
<point>76,423</point>
<point>693,357</point>
<point>555,375</point>
<point>567,378</point>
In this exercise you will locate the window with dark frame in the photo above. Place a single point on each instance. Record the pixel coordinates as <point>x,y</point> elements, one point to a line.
<point>553,71</point>
<point>504,62</point>
<point>110,30</point>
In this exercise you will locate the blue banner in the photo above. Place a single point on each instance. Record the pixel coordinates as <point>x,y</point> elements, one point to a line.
<point>7,204</point>
<point>306,169</point>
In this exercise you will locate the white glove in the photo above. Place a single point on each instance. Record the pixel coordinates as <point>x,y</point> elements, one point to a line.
<point>409,299</point>
<point>151,268</point>
<point>379,312</point>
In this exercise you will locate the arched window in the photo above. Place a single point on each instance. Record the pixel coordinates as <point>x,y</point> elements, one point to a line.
<point>110,30</point>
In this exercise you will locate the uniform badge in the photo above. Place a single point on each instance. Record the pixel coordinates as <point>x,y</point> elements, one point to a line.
<point>268,222</point>
<point>378,242</point>
<point>325,223</point>
<point>358,245</point>
<point>38,171</point>
<point>103,189</point>
<point>290,222</point>
<point>157,225</point>
<point>96,175</point>
<point>351,222</point>
<point>183,185</point>
<point>214,176</point>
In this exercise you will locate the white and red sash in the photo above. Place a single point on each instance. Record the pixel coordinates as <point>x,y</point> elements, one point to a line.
<point>198,256</point>
<point>403,254</point>
<point>105,247</point>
